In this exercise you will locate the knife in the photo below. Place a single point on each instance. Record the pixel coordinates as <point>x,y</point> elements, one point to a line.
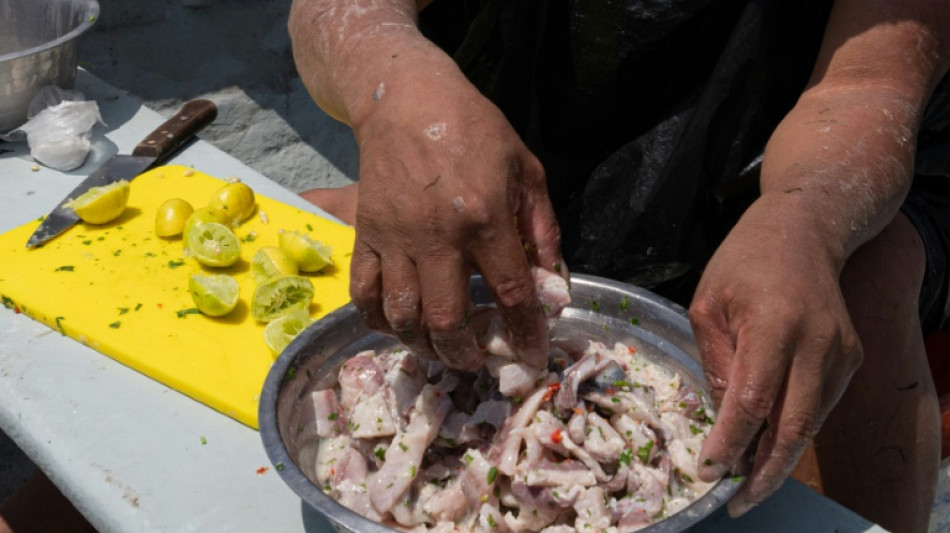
<point>157,147</point>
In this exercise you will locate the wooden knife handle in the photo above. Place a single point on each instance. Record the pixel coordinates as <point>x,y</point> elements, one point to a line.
<point>193,116</point>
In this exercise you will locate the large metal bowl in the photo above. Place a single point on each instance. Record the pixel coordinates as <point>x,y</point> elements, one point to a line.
<point>37,48</point>
<point>601,309</point>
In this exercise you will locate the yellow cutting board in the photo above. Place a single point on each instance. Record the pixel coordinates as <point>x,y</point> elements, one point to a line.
<point>119,289</point>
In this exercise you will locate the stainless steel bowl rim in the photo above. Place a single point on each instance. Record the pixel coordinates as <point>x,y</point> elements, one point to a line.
<point>92,15</point>
<point>351,521</point>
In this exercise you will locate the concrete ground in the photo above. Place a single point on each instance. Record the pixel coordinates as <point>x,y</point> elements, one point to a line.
<point>238,54</point>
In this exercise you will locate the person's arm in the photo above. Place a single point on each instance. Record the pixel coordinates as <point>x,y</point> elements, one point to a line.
<point>776,338</point>
<point>446,186</point>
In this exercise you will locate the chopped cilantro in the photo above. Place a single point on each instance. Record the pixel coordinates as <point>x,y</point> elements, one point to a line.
<point>117,253</point>
<point>412,471</point>
<point>380,453</point>
<point>491,521</point>
<point>115,325</point>
<point>624,304</point>
<point>695,430</point>
<point>468,459</point>
<point>309,227</point>
<point>643,452</point>
<point>625,456</point>
<point>204,440</point>
<point>65,268</point>
<point>137,307</point>
<point>634,321</point>
<point>279,466</point>
<point>123,310</point>
<point>176,263</point>
<point>182,313</point>
<point>594,305</point>
<point>492,473</point>
<point>403,447</point>
<point>332,416</point>
<point>87,242</point>
<point>615,399</point>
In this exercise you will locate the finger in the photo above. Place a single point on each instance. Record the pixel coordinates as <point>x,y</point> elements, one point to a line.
<point>715,343</point>
<point>401,305</point>
<point>537,222</point>
<point>444,288</point>
<point>505,267</point>
<point>791,428</point>
<point>366,287</point>
<point>753,386</point>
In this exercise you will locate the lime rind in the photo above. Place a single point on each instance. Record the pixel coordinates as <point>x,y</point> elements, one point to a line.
<point>214,295</point>
<point>214,244</point>
<point>280,297</point>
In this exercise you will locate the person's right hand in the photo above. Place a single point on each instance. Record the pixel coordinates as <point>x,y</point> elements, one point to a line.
<point>447,186</point>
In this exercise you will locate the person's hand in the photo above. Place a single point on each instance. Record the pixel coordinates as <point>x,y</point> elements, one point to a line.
<point>446,186</point>
<point>777,344</point>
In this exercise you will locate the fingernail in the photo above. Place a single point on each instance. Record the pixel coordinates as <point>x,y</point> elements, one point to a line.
<point>711,471</point>
<point>740,507</point>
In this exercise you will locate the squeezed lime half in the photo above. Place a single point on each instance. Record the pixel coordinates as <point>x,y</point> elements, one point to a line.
<point>213,244</point>
<point>281,331</point>
<point>311,255</point>
<point>270,262</point>
<point>214,295</point>
<point>281,297</point>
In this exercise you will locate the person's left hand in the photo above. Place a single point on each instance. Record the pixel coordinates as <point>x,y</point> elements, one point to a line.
<point>777,344</point>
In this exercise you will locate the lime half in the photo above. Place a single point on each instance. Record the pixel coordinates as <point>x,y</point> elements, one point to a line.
<point>270,262</point>
<point>281,331</point>
<point>203,215</point>
<point>310,255</point>
<point>214,295</point>
<point>170,217</point>
<point>236,199</point>
<point>214,244</point>
<point>99,205</point>
<point>280,297</point>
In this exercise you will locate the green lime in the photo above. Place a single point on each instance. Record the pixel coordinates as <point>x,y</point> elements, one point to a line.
<point>170,217</point>
<point>214,295</point>
<point>310,255</point>
<point>281,296</point>
<point>203,215</point>
<point>270,262</point>
<point>99,205</point>
<point>281,331</point>
<point>214,244</point>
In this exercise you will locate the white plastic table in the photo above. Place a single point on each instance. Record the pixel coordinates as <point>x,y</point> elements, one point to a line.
<point>128,451</point>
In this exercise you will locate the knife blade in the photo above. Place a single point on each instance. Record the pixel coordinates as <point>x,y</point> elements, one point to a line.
<point>155,148</point>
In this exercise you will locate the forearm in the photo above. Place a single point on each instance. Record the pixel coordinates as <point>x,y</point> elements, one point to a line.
<point>841,161</point>
<point>345,50</point>
<point>840,165</point>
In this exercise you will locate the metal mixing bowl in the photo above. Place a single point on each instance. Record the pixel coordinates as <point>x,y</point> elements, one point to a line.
<point>601,309</point>
<point>37,48</point>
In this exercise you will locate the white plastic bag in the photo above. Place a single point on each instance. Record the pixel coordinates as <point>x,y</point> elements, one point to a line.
<point>58,135</point>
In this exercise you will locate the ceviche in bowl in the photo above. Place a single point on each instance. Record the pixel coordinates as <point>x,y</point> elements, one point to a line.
<point>605,437</point>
